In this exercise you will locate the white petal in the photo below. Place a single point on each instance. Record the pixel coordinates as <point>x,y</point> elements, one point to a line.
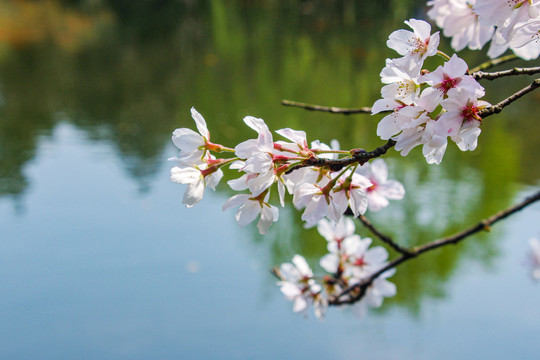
<point>315,210</point>
<point>299,137</point>
<point>338,206</point>
<point>330,263</point>
<point>239,184</point>
<point>421,28</point>
<point>269,214</point>
<point>302,265</point>
<point>262,182</point>
<point>289,272</point>
<point>194,193</point>
<point>300,304</point>
<point>358,201</point>
<point>399,41</point>
<point>376,201</point>
<point>213,179</point>
<point>256,124</point>
<point>289,290</point>
<point>393,190</point>
<point>235,201</point>
<point>246,149</point>
<point>201,124</point>
<point>376,256</point>
<point>186,138</point>
<point>380,170</point>
<point>281,192</point>
<point>186,175</point>
<point>248,212</point>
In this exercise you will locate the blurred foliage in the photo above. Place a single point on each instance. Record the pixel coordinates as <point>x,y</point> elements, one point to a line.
<point>127,72</point>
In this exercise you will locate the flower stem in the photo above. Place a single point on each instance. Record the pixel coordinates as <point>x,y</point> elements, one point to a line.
<point>488,64</point>
<point>443,55</point>
<point>317,151</point>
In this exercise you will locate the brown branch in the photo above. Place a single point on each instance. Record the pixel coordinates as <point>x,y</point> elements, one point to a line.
<point>479,75</point>
<point>384,238</point>
<point>359,156</point>
<point>358,290</point>
<point>495,109</point>
<point>493,62</point>
<point>332,109</point>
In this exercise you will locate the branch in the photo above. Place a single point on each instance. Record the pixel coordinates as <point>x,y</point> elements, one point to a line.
<point>360,288</point>
<point>493,62</point>
<point>359,156</point>
<point>384,238</point>
<point>511,72</point>
<point>495,109</point>
<point>333,109</point>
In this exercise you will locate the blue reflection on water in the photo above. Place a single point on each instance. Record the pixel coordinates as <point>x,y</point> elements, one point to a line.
<point>93,269</point>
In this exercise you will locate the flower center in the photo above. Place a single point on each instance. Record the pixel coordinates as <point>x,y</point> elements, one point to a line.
<point>419,45</point>
<point>470,112</point>
<point>372,187</point>
<point>447,83</point>
<point>359,262</point>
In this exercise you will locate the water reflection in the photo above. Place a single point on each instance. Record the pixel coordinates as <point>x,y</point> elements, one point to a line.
<point>128,80</point>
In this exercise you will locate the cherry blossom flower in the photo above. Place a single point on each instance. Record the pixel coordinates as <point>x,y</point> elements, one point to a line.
<point>320,303</point>
<point>299,286</point>
<point>507,14</point>
<point>450,76</point>
<point>381,189</point>
<point>353,259</point>
<point>319,201</point>
<point>192,145</point>
<point>529,51</point>
<point>402,79</point>
<point>418,44</point>
<point>331,196</point>
<point>526,33</point>
<point>461,117</point>
<point>259,163</point>
<point>298,138</point>
<point>197,177</point>
<point>256,151</point>
<point>459,21</point>
<point>251,207</point>
<point>535,258</point>
<point>406,126</point>
<point>386,105</point>
<point>435,140</point>
<point>353,186</point>
<point>375,294</point>
<point>408,117</point>
<point>336,232</point>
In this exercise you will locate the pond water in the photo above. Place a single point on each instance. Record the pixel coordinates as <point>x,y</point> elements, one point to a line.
<point>101,260</point>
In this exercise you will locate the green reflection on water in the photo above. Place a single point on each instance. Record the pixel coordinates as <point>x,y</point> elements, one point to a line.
<point>132,82</point>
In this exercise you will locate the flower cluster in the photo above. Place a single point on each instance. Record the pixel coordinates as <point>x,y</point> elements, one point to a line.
<point>424,108</point>
<point>349,261</point>
<point>318,191</point>
<point>513,24</point>
<point>427,108</point>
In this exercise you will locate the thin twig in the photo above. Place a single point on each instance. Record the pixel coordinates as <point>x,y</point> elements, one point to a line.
<point>495,109</point>
<point>493,62</point>
<point>479,75</point>
<point>384,238</point>
<point>359,156</point>
<point>361,287</point>
<point>332,109</point>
